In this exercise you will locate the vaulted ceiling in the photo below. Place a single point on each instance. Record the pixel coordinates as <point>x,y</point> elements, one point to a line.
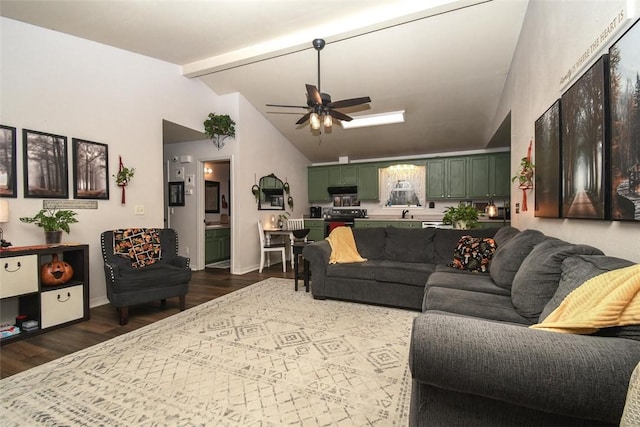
<point>444,62</point>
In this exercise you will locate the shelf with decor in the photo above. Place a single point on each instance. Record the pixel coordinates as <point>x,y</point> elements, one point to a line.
<point>47,284</point>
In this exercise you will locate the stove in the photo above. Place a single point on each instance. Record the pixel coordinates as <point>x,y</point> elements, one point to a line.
<point>341,214</point>
<point>341,217</point>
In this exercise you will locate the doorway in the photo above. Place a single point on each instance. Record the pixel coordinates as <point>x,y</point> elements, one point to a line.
<point>216,197</point>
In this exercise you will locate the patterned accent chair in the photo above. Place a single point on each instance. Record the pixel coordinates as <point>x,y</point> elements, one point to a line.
<point>142,265</point>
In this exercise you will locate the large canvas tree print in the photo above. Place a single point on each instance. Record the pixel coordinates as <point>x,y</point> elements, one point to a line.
<point>8,161</point>
<point>547,160</point>
<point>90,170</point>
<point>45,165</point>
<point>584,111</point>
<point>625,126</point>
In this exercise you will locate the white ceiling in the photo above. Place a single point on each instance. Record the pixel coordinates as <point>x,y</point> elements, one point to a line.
<point>443,61</point>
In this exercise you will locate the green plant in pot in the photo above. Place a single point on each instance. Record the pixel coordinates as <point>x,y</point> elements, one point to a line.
<point>53,221</point>
<point>461,217</point>
<point>525,174</point>
<point>218,127</point>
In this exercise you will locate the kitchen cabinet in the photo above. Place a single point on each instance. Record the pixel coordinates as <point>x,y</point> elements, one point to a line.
<point>489,176</point>
<point>479,171</point>
<point>368,182</point>
<point>342,175</point>
<point>447,178</point>
<point>375,223</point>
<point>500,177</point>
<point>317,183</point>
<point>217,245</point>
<point>22,291</point>
<point>316,229</point>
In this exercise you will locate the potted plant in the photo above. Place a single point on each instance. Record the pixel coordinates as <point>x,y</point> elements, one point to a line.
<point>218,127</point>
<point>123,176</point>
<point>282,218</point>
<point>461,217</point>
<point>53,221</point>
<point>525,176</point>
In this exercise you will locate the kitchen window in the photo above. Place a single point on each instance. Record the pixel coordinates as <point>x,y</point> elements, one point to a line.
<point>403,185</point>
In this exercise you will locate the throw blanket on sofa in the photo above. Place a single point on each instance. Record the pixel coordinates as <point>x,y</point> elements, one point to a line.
<point>343,246</point>
<point>609,299</point>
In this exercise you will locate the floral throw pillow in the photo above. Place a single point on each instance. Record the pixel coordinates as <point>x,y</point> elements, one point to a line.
<point>473,254</point>
<point>140,245</point>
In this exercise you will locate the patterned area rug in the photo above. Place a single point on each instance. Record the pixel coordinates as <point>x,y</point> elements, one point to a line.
<point>261,356</point>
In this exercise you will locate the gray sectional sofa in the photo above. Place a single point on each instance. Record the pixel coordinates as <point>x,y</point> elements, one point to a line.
<point>473,359</point>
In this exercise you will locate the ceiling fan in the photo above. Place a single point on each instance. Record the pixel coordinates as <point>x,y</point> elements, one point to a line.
<point>321,108</point>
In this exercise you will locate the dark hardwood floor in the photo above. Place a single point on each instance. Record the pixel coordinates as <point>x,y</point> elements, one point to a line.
<point>205,285</point>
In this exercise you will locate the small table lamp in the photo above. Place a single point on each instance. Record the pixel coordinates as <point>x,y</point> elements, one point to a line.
<point>4,217</point>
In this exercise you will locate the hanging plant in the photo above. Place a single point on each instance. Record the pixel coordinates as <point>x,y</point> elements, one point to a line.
<point>123,177</point>
<point>525,175</point>
<point>218,127</point>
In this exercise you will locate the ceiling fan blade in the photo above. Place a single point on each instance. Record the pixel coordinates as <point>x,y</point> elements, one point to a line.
<point>349,102</point>
<point>313,94</point>
<point>340,116</point>
<point>287,106</point>
<point>303,118</point>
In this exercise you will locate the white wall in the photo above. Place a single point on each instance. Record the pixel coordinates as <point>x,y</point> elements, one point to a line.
<point>60,84</point>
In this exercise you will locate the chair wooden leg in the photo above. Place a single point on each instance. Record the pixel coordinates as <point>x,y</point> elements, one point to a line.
<point>163,303</point>
<point>124,315</point>
<point>183,300</point>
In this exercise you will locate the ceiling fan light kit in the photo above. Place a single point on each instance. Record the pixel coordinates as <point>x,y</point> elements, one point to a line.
<point>321,109</point>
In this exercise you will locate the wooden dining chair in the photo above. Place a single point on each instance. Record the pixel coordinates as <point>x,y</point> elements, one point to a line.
<point>267,249</point>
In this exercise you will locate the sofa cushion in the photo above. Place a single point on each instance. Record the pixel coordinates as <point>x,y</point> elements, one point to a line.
<point>466,281</point>
<point>409,244</point>
<point>406,273</point>
<point>537,280</point>
<point>473,304</point>
<point>446,240</point>
<point>576,270</point>
<point>473,254</point>
<point>508,257</point>
<point>358,270</point>
<point>370,242</point>
<point>504,234</point>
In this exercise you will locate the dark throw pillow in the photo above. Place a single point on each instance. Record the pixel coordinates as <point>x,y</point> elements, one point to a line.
<point>140,245</point>
<point>473,254</point>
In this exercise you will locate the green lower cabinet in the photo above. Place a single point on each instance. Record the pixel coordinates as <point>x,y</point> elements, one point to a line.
<point>217,245</point>
<point>360,223</point>
<point>316,229</point>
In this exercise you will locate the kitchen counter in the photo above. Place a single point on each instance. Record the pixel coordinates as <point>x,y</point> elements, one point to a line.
<point>215,225</point>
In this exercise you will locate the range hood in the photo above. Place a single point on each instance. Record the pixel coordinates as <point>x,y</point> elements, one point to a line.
<point>345,189</point>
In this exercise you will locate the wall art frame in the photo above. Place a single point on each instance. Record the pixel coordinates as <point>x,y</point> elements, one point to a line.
<point>90,170</point>
<point>8,170</point>
<point>548,188</point>
<point>584,119</point>
<point>624,98</point>
<point>46,168</point>
<point>176,193</point>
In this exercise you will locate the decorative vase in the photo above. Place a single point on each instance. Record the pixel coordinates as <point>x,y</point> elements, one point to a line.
<point>460,225</point>
<point>51,237</point>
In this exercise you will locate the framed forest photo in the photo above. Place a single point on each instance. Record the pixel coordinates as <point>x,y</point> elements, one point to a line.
<point>547,178</point>
<point>46,173</point>
<point>624,59</point>
<point>90,170</point>
<point>8,179</point>
<point>584,117</point>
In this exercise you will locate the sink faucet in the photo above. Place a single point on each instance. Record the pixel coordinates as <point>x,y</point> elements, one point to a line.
<point>404,213</point>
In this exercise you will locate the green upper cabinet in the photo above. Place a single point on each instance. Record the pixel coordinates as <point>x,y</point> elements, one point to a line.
<point>479,171</point>
<point>368,182</point>
<point>500,178</point>
<point>456,177</point>
<point>342,175</point>
<point>447,178</point>
<point>436,188</point>
<point>317,183</point>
